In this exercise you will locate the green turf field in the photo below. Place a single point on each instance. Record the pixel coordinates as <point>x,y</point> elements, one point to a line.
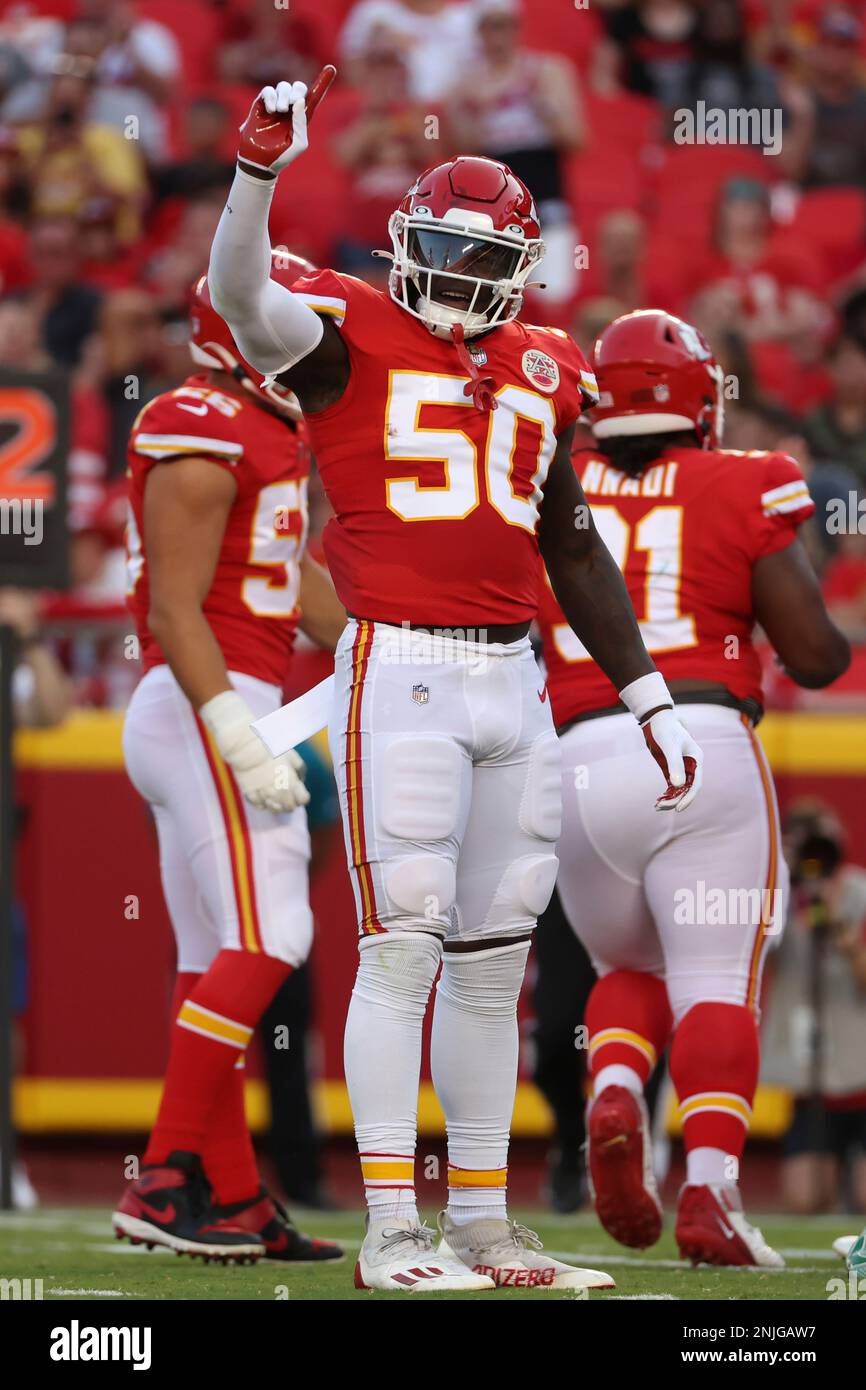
<point>75,1255</point>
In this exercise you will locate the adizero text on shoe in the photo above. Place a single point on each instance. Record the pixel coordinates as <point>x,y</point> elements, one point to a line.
<point>712,1229</point>
<point>399,1255</point>
<point>265,1218</point>
<point>512,1256</point>
<point>619,1161</point>
<point>169,1205</point>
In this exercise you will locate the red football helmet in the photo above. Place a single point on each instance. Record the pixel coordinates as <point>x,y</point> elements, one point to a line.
<point>657,374</point>
<point>465,238</point>
<point>212,345</point>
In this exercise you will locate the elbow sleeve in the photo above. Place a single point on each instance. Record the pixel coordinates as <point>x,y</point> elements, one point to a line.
<point>272,328</point>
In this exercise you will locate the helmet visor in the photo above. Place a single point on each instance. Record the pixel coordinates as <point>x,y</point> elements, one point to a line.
<point>457,253</point>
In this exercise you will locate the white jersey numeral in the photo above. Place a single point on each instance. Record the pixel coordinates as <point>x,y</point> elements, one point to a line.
<point>659,533</point>
<point>274,544</point>
<point>460,493</point>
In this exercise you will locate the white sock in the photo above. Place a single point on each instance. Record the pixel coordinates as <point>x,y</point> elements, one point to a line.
<point>617,1075</point>
<point>705,1166</point>
<point>382,1061</point>
<point>473,1059</point>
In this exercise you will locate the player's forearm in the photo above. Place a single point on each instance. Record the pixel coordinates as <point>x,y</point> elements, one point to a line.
<point>323,617</point>
<point>273,329</point>
<point>191,650</point>
<point>592,594</point>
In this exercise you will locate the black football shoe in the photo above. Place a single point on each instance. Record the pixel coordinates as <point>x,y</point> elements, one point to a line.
<point>169,1204</point>
<point>269,1222</point>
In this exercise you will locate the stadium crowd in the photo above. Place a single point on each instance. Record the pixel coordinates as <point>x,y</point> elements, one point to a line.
<point>117,130</point>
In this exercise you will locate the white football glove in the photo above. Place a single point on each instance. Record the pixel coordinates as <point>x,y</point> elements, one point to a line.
<point>672,746</point>
<point>273,784</point>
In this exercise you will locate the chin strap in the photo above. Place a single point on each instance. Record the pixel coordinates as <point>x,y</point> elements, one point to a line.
<point>480,388</point>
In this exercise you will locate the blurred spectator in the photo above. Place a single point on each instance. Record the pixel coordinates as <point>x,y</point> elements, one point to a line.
<point>204,166</point>
<point>828,143</point>
<point>523,108</point>
<point>67,309</point>
<point>129,357</point>
<point>844,586</point>
<point>836,431</point>
<point>275,44</point>
<point>774,290</point>
<point>135,63</point>
<point>40,690</point>
<point>384,147</point>
<point>433,35</point>
<point>655,43</point>
<point>106,263</point>
<point>138,66</point>
<point>815,1036</point>
<point>70,158</point>
<point>722,72</point>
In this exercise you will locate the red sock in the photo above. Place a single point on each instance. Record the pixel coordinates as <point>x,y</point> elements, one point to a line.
<point>212,1029</point>
<point>228,1155</point>
<point>184,983</point>
<point>714,1068</point>
<point>629,1022</point>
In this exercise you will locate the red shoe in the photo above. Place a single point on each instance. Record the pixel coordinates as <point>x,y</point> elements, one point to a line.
<point>170,1205</point>
<point>619,1160</point>
<point>271,1223</point>
<point>712,1229</point>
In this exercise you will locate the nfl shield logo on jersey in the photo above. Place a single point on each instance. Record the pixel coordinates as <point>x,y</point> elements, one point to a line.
<point>420,694</point>
<point>541,370</point>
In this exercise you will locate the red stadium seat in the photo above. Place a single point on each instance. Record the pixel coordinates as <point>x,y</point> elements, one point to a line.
<point>833,221</point>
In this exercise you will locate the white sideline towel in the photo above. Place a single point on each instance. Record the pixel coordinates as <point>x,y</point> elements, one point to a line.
<point>291,724</point>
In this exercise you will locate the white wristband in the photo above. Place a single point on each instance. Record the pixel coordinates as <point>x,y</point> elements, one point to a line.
<point>646,693</point>
<point>225,713</point>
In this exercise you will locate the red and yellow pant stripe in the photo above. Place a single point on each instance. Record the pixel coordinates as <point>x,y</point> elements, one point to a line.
<point>354,781</point>
<point>238,841</point>
<point>768,897</point>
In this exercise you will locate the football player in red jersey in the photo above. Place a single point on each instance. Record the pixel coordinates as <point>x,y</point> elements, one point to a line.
<point>676,912</point>
<point>442,428</point>
<point>219,583</point>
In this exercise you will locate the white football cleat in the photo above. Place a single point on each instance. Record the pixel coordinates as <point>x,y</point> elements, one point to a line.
<point>509,1254</point>
<point>398,1254</point>
<point>712,1229</point>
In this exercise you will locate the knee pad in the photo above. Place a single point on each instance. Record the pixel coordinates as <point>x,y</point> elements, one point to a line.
<point>420,789</point>
<point>525,889</point>
<point>398,969</point>
<point>484,981</point>
<point>541,805</point>
<point>422,885</point>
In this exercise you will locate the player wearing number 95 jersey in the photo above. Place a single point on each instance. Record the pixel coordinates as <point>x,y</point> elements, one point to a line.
<point>219,583</point>
<point>441,426</point>
<point>676,912</point>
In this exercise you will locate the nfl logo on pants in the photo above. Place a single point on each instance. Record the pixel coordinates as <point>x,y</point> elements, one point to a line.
<point>420,694</point>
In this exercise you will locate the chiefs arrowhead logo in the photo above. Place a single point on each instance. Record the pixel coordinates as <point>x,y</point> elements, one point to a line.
<point>541,370</point>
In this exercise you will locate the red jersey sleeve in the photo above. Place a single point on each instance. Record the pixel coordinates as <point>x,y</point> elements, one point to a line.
<point>556,365</point>
<point>190,421</point>
<point>783,504</point>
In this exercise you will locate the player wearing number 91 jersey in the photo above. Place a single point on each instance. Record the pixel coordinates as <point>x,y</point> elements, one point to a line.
<point>676,915</point>
<point>219,583</point>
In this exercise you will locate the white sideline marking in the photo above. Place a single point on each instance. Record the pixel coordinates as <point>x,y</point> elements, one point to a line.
<point>93,1293</point>
<point>645,1297</point>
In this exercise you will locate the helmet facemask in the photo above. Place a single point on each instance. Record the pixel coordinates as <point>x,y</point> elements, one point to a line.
<point>455,270</point>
